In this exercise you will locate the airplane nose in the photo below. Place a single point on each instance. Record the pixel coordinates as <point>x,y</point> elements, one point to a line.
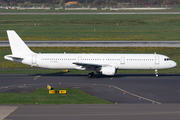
<point>174,64</point>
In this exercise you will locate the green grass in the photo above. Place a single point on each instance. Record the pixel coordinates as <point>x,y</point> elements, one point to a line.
<point>81,27</point>
<point>7,66</point>
<point>42,96</point>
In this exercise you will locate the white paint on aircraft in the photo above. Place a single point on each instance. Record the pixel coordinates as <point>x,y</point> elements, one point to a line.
<point>107,64</point>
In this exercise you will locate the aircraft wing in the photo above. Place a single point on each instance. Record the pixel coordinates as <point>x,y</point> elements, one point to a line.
<point>87,64</point>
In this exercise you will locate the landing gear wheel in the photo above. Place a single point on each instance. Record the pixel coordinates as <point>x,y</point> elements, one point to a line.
<point>90,75</point>
<point>156,73</point>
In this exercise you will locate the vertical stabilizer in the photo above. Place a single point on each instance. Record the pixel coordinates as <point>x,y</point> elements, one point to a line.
<point>17,44</point>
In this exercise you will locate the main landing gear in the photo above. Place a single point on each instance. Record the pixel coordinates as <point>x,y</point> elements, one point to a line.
<point>156,72</point>
<point>91,74</point>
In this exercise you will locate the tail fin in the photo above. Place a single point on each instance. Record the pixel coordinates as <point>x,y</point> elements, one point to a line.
<point>17,44</point>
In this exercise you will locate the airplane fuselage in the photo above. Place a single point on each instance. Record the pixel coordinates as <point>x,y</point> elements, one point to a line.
<point>107,64</point>
<point>119,61</point>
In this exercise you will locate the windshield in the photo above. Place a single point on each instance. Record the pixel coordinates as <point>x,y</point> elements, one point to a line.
<point>167,59</point>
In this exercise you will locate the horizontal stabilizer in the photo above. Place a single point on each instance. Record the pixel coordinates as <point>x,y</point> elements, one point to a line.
<point>12,56</point>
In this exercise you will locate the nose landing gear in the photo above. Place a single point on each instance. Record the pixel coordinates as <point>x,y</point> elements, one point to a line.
<point>156,72</point>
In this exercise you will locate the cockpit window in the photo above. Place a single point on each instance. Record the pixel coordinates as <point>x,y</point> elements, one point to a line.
<point>167,59</point>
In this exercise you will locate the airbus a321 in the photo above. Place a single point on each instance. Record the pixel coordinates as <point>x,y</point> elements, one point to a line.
<point>107,64</point>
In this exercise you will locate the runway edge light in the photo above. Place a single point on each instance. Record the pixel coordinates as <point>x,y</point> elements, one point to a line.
<point>65,70</point>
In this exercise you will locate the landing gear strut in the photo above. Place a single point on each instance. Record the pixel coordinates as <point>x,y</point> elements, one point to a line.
<point>156,72</point>
<point>91,74</point>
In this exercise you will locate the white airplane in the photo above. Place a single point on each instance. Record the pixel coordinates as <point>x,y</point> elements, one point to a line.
<point>107,64</point>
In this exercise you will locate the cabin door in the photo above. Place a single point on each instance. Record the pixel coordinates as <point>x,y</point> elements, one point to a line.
<point>156,59</point>
<point>80,59</point>
<point>34,59</point>
<point>122,60</point>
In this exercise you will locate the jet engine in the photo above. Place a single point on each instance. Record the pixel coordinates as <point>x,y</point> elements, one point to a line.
<point>108,70</point>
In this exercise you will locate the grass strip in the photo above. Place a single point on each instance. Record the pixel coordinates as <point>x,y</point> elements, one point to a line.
<point>42,96</point>
<point>92,27</point>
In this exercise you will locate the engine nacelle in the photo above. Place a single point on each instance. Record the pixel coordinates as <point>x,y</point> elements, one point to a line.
<point>108,70</point>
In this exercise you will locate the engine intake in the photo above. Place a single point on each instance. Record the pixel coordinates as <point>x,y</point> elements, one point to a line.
<point>108,70</point>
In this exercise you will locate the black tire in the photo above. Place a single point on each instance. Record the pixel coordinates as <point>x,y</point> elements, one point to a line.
<point>90,75</point>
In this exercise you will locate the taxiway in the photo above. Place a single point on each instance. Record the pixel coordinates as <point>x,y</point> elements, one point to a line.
<point>135,96</point>
<point>99,43</point>
<point>83,13</point>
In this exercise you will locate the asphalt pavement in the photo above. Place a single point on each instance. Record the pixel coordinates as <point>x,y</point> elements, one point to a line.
<point>96,112</point>
<point>99,43</point>
<point>82,13</point>
<point>135,96</point>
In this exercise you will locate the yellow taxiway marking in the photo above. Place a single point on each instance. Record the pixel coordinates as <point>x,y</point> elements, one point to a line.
<point>126,92</point>
<point>136,95</point>
<point>37,77</point>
